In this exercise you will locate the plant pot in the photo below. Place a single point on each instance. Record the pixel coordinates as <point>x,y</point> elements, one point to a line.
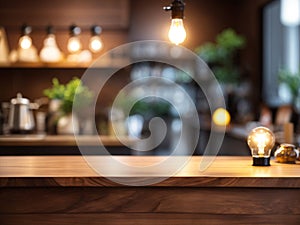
<point>54,113</point>
<point>68,124</point>
<point>54,105</point>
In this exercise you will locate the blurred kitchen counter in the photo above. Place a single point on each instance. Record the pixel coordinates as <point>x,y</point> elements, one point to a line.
<point>62,140</point>
<point>64,145</point>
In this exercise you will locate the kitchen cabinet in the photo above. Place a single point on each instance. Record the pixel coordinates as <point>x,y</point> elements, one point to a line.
<point>42,65</point>
<point>32,78</point>
<point>112,16</point>
<point>58,65</point>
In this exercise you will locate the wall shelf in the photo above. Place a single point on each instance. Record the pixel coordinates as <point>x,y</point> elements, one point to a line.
<point>43,65</point>
<point>59,65</point>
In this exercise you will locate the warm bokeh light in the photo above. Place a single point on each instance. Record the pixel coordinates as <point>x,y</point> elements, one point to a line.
<point>74,44</point>
<point>50,51</point>
<point>96,44</point>
<point>25,42</point>
<point>221,117</point>
<point>177,33</point>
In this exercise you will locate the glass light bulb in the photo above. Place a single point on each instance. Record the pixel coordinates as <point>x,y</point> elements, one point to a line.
<point>177,33</point>
<point>50,51</point>
<point>96,44</point>
<point>74,44</point>
<point>261,141</point>
<point>25,42</point>
<point>290,12</point>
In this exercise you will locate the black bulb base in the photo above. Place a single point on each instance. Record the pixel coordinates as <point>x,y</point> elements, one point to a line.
<point>177,8</point>
<point>261,161</point>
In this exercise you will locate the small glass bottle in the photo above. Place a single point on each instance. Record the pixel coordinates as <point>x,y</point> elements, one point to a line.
<point>286,153</point>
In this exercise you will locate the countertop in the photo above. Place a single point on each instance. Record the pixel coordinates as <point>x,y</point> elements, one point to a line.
<point>49,190</point>
<point>61,140</point>
<point>74,171</point>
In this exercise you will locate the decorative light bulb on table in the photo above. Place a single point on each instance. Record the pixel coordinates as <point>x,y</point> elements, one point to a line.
<point>261,141</point>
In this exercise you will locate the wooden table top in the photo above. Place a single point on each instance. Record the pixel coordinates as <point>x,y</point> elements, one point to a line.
<point>225,171</point>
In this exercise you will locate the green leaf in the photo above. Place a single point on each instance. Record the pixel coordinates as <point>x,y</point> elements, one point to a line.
<point>56,91</point>
<point>221,56</point>
<point>292,80</point>
<point>230,40</point>
<point>66,93</point>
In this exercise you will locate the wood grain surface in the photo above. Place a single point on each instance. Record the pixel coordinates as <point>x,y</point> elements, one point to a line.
<point>148,205</point>
<point>64,190</point>
<point>75,171</point>
<point>150,200</point>
<point>148,218</point>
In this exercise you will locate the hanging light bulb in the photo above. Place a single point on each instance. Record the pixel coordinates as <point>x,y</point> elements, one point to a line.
<point>74,43</point>
<point>96,43</point>
<point>26,51</point>
<point>177,33</point>
<point>50,51</point>
<point>25,40</point>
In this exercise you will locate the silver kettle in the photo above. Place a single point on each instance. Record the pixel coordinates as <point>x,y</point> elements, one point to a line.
<point>21,119</point>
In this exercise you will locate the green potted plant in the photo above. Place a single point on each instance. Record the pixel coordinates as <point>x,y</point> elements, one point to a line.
<point>65,94</point>
<point>55,94</point>
<point>292,80</point>
<point>56,91</point>
<point>84,96</point>
<point>221,56</point>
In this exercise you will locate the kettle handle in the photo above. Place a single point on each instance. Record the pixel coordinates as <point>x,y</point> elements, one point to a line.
<point>34,106</point>
<point>38,103</point>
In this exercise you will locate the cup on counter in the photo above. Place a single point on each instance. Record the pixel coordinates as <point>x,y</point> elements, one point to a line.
<point>5,115</point>
<point>41,122</point>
